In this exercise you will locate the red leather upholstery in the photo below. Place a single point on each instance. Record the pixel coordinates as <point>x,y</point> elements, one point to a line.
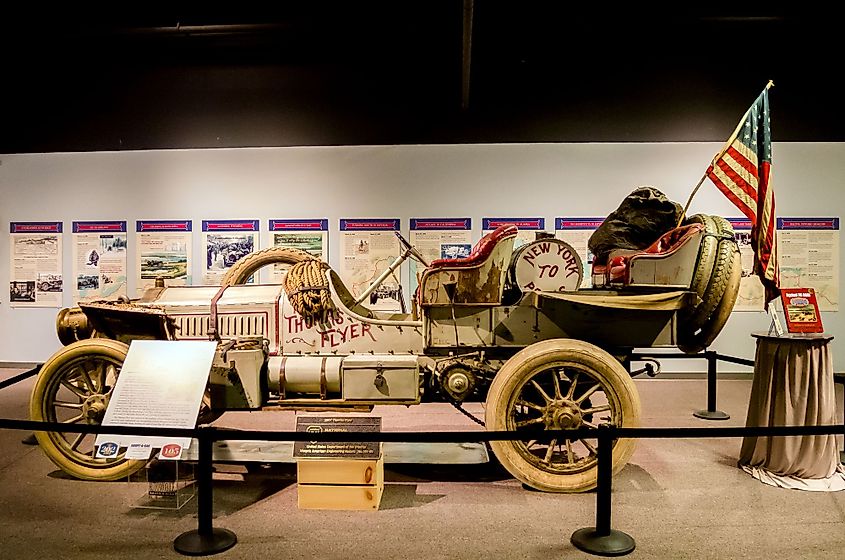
<point>672,239</point>
<point>481,250</point>
<point>616,269</point>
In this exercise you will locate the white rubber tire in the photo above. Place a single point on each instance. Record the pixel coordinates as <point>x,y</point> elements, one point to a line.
<point>538,358</point>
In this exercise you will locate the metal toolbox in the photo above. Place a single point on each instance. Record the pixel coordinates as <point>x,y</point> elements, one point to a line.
<point>377,377</point>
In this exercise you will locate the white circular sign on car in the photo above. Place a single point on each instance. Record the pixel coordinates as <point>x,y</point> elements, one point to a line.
<point>548,265</point>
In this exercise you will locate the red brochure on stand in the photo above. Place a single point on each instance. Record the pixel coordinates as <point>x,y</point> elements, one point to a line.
<point>801,310</point>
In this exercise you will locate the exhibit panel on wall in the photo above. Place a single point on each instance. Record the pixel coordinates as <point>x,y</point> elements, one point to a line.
<point>809,257</point>
<point>751,293</point>
<point>35,264</point>
<point>162,250</point>
<point>368,247</point>
<point>577,232</point>
<point>439,238</point>
<point>528,227</point>
<point>225,242</point>
<point>99,260</point>
<point>285,172</point>
<point>311,236</point>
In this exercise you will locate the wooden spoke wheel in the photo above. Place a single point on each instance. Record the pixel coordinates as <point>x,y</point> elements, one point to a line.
<point>560,384</point>
<point>74,387</point>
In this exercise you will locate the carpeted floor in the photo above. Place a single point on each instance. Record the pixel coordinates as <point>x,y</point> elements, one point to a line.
<point>677,498</point>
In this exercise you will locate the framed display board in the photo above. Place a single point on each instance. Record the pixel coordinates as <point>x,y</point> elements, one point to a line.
<point>35,264</point>
<point>528,228</point>
<point>99,260</point>
<point>162,250</point>
<point>225,242</point>
<point>368,247</point>
<point>306,235</point>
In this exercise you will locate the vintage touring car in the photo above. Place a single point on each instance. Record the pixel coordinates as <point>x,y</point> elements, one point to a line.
<point>512,329</point>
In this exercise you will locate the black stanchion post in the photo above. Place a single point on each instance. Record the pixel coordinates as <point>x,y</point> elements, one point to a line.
<point>206,539</point>
<point>602,540</point>
<point>711,413</point>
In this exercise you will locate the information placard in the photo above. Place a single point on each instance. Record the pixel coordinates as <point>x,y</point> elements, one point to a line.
<point>527,227</point>
<point>751,293</point>
<point>35,252</point>
<point>160,385</point>
<point>341,449</point>
<point>162,250</point>
<point>99,260</point>
<point>809,256</point>
<point>368,247</point>
<point>439,238</point>
<point>306,235</point>
<point>226,242</point>
<point>577,232</point>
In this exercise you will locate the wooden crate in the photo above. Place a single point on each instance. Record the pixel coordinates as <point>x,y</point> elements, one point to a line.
<point>343,484</point>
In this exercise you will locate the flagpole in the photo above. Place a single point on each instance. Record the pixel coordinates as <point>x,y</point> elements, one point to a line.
<point>719,155</point>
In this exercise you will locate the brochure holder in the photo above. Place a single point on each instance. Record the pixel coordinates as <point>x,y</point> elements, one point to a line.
<point>170,485</point>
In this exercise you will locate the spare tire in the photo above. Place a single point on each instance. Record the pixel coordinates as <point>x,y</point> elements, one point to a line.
<point>690,341</point>
<point>706,255</point>
<point>701,324</point>
<point>720,275</point>
<point>245,267</point>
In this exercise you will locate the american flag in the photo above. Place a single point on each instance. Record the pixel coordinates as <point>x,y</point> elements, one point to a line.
<point>742,171</point>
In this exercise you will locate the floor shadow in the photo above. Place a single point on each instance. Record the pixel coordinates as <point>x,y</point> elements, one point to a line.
<point>636,478</point>
<point>246,486</point>
<point>62,475</point>
<point>418,472</point>
<point>401,496</point>
<point>728,461</point>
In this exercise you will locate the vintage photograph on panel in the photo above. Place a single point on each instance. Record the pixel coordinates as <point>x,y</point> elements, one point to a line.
<point>92,259</point>
<point>87,282</point>
<point>22,291</point>
<point>164,265</point>
<point>222,251</point>
<point>455,250</point>
<point>304,241</point>
<point>112,243</point>
<point>49,282</point>
<point>40,245</point>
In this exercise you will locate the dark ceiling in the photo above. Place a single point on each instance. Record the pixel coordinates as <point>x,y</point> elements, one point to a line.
<point>331,73</point>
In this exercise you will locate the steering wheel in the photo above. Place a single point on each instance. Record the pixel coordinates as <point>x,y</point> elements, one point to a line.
<point>413,250</point>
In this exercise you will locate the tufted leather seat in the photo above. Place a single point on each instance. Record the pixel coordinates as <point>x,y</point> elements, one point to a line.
<point>481,250</point>
<point>476,279</point>
<point>621,262</point>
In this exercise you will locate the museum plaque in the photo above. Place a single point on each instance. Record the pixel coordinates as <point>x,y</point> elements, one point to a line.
<point>161,385</point>
<point>337,450</point>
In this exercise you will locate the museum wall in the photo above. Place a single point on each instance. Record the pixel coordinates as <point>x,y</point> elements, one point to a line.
<point>403,181</point>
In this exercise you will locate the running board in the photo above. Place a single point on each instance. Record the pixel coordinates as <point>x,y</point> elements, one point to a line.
<point>242,451</point>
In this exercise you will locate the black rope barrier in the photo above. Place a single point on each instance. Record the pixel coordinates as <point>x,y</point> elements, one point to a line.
<point>601,540</point>
<point>205,539</point>
<point>711,412</point>
<point>217,434</point>
<point>20,377</point>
